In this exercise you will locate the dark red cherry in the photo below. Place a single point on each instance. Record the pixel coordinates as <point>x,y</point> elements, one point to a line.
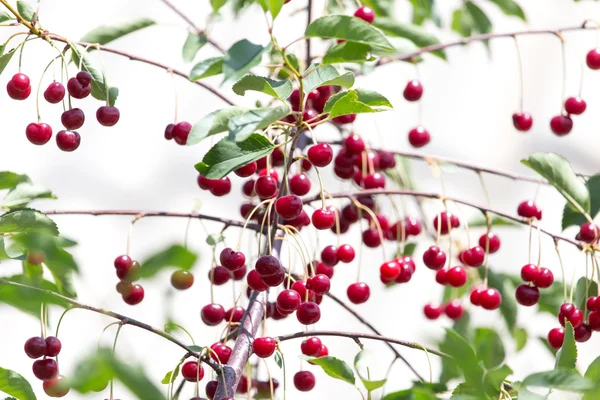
<point>329,255</point>
<point>73,118</point>
<point>19,87</point>
<point>45,370</point>
<point>254,281</point>
<point>544,279</point>
<point>323,219</point>
<point>561,125</point>
<point>371,238</point>
<point>593,59</point>
<point>527,295</point>
<point>324,269</point>
<point>221,187</point>
<point>588,232</point>
<point>434,258</point>
<point>374,181</point>
<point>53,346</point>
<point>358,292</point>
<point>556,336</point>
<point>108,116</point>
<point>311,347</point>
<point>490,241</point>
<point>456,276</point>
<point>218,276</point>
<point>84,77</point>
<point>583,333</point>
<point>231,259</point>
<point>274,280</point>
<point>246,170</point>
<point>440,277</point>
<point>38,134</point>
<point>205,183</point>
<point>68,140</point>
<point>320,155</point>
<point>222,352</point>
<point>212,314</point>
<point>528,209</point>
<point>522,121</point>
<point>594,320</point>
<point>134,295</point>
<point>234,314</point>
<point>308,313</point>
<point>319,284</point>
<point>354,144</point>
<point>288,207</point>
<point>266,187</point>
<point>54,93</point>
<point>418,137</point>
<point>432,311</point>
<point>192,371</point>
<point>35,347</point>
<point>344,119</point>
<point>181,131</point>
<point>413,90</point>
<point>575,105</point>
<point>448,221</point>
<point>304,381</point>
<point>78,90</point>
<point>267,266</point>
<point>474,256</point>
<point>264,347</point>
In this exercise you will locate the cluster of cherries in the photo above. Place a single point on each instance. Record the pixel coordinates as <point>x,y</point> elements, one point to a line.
<point>79,87</point>
<point>46,369</point>
<point>582,330</point>
<point>561,124</point>
<point>127,271</point>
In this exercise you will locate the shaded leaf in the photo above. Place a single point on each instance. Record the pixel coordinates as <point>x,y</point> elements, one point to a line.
<point>573,217</point>
<point>465,358</point>
<point>226,155</point>
<point>361,362</point>
<point>520,335</point>
<point>4,16</point>
<point>29,300</point>
<point>214,239</point>
<point>525,394</point>
<point>170,376</point>
<point>278,359</point>
<point>107,33</point>
<point>558,172</point>
<point>566,357</point>
<point>279,89</point>
<point>335,368</point>
<point>347,52</point>
<point>481,22</point>
<point>462,22</point>
<point>510,7</point>
<point>213,123</point>
<point>494,379</point>
<point>15,385</point>
<point>241,126</point>
<point>559,379</point>
<point>209,67</point>
<point>193,44</point>
<point>317,76</point>
<point>347,28</point>
<point>24,193</point>
<point>581,295</point>
<point>489,346</point>
<point>26,220</point>
<point>414,33</point>
<point>242,56</point>
<point>25,10</point>
<point>174,256</point>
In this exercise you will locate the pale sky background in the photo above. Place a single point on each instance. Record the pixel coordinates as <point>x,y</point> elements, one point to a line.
<point>467,106</point>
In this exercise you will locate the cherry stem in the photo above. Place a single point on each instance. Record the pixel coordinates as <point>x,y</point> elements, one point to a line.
<point>521,80</point>
<point>113,351</point>
<point>563,51</point>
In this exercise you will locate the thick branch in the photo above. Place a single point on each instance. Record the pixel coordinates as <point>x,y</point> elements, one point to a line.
<point>124,319</point>
<point>431,195</point>
<point>357,335</point>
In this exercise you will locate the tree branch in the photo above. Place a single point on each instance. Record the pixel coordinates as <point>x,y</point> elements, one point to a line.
<point>357,335</point>
<point>124,319</point>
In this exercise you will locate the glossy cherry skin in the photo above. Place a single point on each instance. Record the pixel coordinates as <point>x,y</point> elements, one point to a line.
<point>181,131</point>
<point>264,347</point>
<point>475,295</point>
<point>358,292</point>
<point>474,256</point>
<point>490,299</point>
<point>544,279</point>
<point>556,336</point>
<point>583,333</point>
<point>374,181</point>
<point>84,77</point>
<point>57,387</point>
<point>35,347</point>
<point>68,140</point>
<point>419,137</point>
<point>45,370</point>
<point>266,187</point>
<point>561,125</point>
<point>246,170</point>
<point>575,105</point>
<point>527,295</point>
<point>354,144</point>
<point>300,184</point>
<point>54,93</point>
<point>371,238</point>
<point>434,258</point>
<point>346,253</point>
<point>205,183</point>
<point>454,309</point>
<point>192,371</point>
<point>575,317</point>
<point>432,311</point>
<point>108,116</point>
<point>448,221</point>
<point>522,121</point>
<point>592,59</point>
<point>218,275</point>
<point>308,313</point>
<point>329,255</point>
<point>212,314</point>
<point>38,134</point>
<point>19,87</point>
<point>323,219</point>
<point>135,295</point>
<point>588,232</point>
<point>20,81</point>
<point>366,14</point>
<point>288,207</point>
<point>304,381</point>
<point>255,282</point>
<point>288,300</point>
<point>77,90</point>
<point>231,259</point>
<point>53,346</point>
<point>73,118</point>
<point>413,90</point>
<point>491,241</point>
<point>319,284</point>
<point>182,280</point>
<point>529,272</point>
<point>440,277</point>
<point>234,314</point>
<point>324,269</point>
<point>528,209</point>
<point>267,265</point>
<point>389,271</point>
<point>456,276</point>
<point>311,347</point>
<point>594,320</point>
<point>320,155</point>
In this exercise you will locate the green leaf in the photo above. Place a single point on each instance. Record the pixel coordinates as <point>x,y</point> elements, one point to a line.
<point>560,379</point>
<point>27,300</point>
<point>489,346</point>
<point>355,101</point>
<point>520,335</point>
<point>214,123</point>
<point>481,221</point>
<point>494,378</point>
<point>4,16</point>
<point>347,52</point>
<point>414,33</point>
<point>415,393</point>
<point>327,75</point>
<point>15,385</point>
<point>348,28</point>
<point>510,7</point>
<point>226,155</point>
<point>278,359</point>
<point>9,180</point>
<point>464,356</point>
<point>238,60</point>
<point>481,22</point>
<point>361,361</point>
<point>422,11</point>
<point>558,172</point>
<point>26,220</point>
<point>525,394</point>
<point>593,374</point>
<point>279,89</point>
<point>241,126</point>
<point>462,22</point>
<point>174,256</point>
<point>217,4</point>
<point>209,67</point>
<point>335,368</point>
<point>214,239</point>
<point>581,294</point>
<point>25,10</point>
<point>5,59</point>
<point>103,366</point>
<point>572,217</point>
<point>98,84</point>
<point>170,376</point>
<point>566,357</point>
<point>274,7</point>
<point>24,193</point>
<point>193,44</point>
<point>107,33</point>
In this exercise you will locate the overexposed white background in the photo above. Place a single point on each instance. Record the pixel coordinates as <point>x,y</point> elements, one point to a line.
<point>467,107</point>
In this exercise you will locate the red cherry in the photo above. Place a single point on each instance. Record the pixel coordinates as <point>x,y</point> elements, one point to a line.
<point>234,314</point>
<point>594,320</point>
<point>19,87</point>
<point>323,219</point>
<point>456,276</point>
<point>358,292</point>
<point>389,271</point>
<point>134,295</point>
<point>490,299</point>
<point>218,276</point>
<point>491,241</point>
<point>374,181</point>
<point>354,144</point>
<point>205,183</point>
<point>192,371</point>
<point>454,309</point>
<point>413,90</point>
<point>308,313</point>
<point>575,105</point>
<point>73,118</point>
<point>575,317</point>
<point>38,134</point>
<point>412,226</point>
<point>320,155</point>
<point>305,293</point>
<point>264,347</point>
<point>527,295</point>
<point>57,387</point>
<point>556,336</point>
<point>54,93</point>
<point>475,297</point>
<point>528,209</point>
<point>108,116</point>
<point>561,125</point>
<point>593,59</point>
<point>221,187</point>
<point>583,333</point>
<point>254,281</point>
<point>441,277</point>
<point>344,119</point>
<point>324,269</point>
<point>266,187</point>
<point>211,389</point>
<point>593,303</point>
<point>21,81</point>
<point>319,284</point>
<point>529,272</point>
<point>46,369</point>
<point>35,347</point>
<point>169,131</point>
<point>311,347</point>
<point>329,255</point>
<point>544,279</point>
<point>474,256</point>
<point>53,346</point>
<point>371,238</point>
<point>588,232</point>
<point>522,121</point>
<point>84,77</point>
<point>78,90</point>
<point>418,137</point>
<point>434,258</point>
<point>232,260</point>
<point>246,170</point>
<point>288,300</point>
<point>432,311</point>
<point>289,207</point>
<point>365,13</point>
<point>240,273</point>
<point>300,184</point>
<point>386,160</point>
<point>345,253</point>
<point>212,314</point>
<point>448,221</point>
<point>181,131</point>
<point>267,266</point>
<point>274,280</point>
<point>304,381</point>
